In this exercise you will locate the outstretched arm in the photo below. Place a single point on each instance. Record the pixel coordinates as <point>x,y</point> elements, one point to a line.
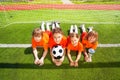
<point>78,56</point>
<point>35,53</point>
<point>69,56</point>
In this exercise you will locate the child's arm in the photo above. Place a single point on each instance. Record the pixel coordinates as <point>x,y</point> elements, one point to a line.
<point>35,53</point>
<point>43,56</point>
<point>69,56</point>
<point>51,55</point>
<point>78,56</point>
<point>45,53</point>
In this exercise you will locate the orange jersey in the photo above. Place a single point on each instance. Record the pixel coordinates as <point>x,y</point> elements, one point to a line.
<point>63,42</point>
<point>86,43</point>
<point>43,42</point>
<point>79,47</point>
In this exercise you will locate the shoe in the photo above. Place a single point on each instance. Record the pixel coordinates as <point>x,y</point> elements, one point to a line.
<point>90,29</point>
<point>76,29</point>
<point>71,29</point>
<point>42,26</point>
<point>83,28</point>
<point>57,24</point>
<point>48,24</point>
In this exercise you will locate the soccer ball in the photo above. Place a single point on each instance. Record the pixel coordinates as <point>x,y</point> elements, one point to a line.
<point>57,51</point>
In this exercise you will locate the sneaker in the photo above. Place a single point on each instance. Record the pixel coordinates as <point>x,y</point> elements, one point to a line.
<point>42,26</point>
<point>48,24</point>
<point>53,25</point>
<point>71,29</point>
<point>57,24</point>
<point>83,28</point>
<point>90,29</point>
<point>76,29</point>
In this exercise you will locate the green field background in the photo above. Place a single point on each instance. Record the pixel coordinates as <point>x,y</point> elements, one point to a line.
<point>17,63</point>
<point>17,26</point>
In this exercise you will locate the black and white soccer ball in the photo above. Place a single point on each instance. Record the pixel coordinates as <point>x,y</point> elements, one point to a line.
<point>57,51</point>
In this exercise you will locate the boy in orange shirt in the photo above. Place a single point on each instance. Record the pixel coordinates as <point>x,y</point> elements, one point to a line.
<point>74,45</point>
<point>90,42</point>
<point>57,38</point>
<point>40,38</point>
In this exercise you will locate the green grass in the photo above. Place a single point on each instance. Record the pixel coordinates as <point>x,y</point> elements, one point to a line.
<point>67,16</point>
<point>96,1</point>
<point>18,64</point>
<point>21,32</point>
<point>33,2</point>
<point>59,2</point>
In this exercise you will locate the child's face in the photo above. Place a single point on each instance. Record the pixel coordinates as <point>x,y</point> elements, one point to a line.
<point>57,37</point>
<point>91,39</point>
<point>37,38</point>
<point>74,41</point>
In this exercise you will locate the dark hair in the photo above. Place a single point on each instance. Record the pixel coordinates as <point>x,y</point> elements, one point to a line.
<point>74,35</point>
<point>57,30</point>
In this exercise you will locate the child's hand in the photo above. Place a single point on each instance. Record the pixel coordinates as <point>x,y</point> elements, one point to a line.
<point>71,63</point>
<point>76,64</point>
<point>41,62</point>
<point>36,61</point>
<point>86,59</point>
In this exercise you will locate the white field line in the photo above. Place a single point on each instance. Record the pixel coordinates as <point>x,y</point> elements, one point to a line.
<point>29,45</point>
<point>63,21</point>
<point>15,45</point>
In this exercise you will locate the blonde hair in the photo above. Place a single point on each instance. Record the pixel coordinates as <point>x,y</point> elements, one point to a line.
<point>37,32</point>
<point>92,34</point>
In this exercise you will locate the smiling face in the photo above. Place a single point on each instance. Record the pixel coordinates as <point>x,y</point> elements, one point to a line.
<point>92,36</point>
<point>91,39</point>
<point>74,39</point>
<point>37,38</point>
<point>57,37</point>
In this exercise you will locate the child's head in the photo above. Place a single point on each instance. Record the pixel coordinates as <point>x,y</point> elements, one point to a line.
<point>37,34</point>
<point>74,37</point>
<point>92,36</point>
<point>57,34</point>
